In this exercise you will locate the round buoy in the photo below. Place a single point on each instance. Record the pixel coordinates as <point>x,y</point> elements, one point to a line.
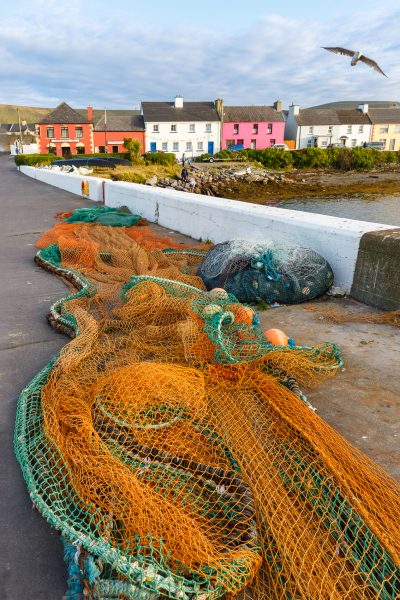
<point>218,293</point>
<point>277,337</point>
<point>243,314</point>
<point>211,309</point>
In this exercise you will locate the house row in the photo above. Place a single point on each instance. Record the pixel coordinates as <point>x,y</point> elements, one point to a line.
<point>350,127</point>
<point>182,128</point>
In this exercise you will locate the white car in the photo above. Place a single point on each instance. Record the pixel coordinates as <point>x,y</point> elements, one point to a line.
<point>280,146</point>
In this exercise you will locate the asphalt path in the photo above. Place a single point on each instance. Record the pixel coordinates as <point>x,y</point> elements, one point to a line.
<point>31,561</point>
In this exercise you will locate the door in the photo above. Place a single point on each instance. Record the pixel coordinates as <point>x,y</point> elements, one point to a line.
<point>210,148</point>
<point>66,152</point>
<point>391,144</point>
<point>153,146</point>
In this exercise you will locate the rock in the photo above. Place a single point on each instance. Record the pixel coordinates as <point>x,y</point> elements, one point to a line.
<point>336,292</point>
<point>173,183</point>
<point>152,180</point>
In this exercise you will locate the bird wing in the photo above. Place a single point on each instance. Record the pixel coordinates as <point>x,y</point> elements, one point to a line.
<point>338,50</point>
<point>371,63</point>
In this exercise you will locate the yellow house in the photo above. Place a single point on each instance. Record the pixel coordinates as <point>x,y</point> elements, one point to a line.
<point>385,127</point>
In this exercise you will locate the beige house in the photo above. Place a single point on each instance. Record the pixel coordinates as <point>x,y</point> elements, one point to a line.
<point>385,127</point>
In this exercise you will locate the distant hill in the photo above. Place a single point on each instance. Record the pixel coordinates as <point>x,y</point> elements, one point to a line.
<point>33,114</point>
<point>344,104</point>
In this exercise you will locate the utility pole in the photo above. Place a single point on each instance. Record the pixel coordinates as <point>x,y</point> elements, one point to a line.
<point>105,130</point>
<point>20,130</point>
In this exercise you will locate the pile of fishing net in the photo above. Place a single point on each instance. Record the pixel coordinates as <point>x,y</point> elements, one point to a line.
<point>266,271</point>
<point>169,445</point>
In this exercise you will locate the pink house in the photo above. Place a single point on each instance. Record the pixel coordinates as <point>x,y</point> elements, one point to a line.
<point>255,127</point>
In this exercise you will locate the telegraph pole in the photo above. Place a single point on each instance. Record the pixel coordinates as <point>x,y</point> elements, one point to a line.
<point>105,130</point>
<point>20,130</point>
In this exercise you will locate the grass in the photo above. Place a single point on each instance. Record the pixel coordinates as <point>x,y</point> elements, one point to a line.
<point>138,173</point>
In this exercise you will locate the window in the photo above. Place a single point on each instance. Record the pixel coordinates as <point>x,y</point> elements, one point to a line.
<point>64,132</point>
<point>156,128</point>
<point>255,128</point>
<point>383,141</point>
<point>384,129</point>
<point>173,128</point>
<point>208,127</point>
<point>230,143</point>
<point>189,146</point>
<point>114,149</point>
<point>269,128</point>
<point>253,144</point>
<point>53,150</point>
<point>309,143</point>
<point>361,129</point>
<point>241,142</point>
<point>324,143</point>
<point>80,150</point>
<point>78,132</point>
<point>330,129</point>
<point>175,147</point>
<point>353,143</point>
<point>236,129</point>
<point>349,129</point>
<point>50,132</point>
<point>102,149</point>
<point>311,130</point>
<point>192,128</point>
<point>199,146</point>
<point>164,146</point>
<point>272,142</point>
<point>397,128</point>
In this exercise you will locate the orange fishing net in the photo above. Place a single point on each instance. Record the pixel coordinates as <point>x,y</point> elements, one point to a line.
<point>340,315</point>
<point>175,449</point>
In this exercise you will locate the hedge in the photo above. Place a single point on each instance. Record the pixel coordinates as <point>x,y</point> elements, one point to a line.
<point>32,160</point>
<point>102,155</point>
<point>159,158</point>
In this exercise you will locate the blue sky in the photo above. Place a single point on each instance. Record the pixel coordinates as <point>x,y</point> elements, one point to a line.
<point>114,54</point>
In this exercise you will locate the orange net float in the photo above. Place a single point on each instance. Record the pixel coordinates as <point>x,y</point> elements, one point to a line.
<point>243,314</point>
<point>277,337</point>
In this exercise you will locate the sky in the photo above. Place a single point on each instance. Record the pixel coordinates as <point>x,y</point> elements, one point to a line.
<point>115,54</point>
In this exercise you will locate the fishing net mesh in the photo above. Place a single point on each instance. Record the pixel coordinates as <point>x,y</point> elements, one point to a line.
<point>168,445</point>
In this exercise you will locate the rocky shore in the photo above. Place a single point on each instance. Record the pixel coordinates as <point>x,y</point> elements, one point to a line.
<point>254,184</point>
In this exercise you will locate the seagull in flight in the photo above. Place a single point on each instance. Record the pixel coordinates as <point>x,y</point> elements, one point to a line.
<point>356,57</point>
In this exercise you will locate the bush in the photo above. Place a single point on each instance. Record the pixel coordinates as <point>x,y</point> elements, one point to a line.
<point>270,158</point>
<point>202,157</point>
<point>310,158</point>
<point>100,155</point>
<point>159,158</point>
<point>32,160</point>
<point>134,149</point>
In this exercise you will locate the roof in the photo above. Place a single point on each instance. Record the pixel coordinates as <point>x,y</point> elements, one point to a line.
<point>343,104</point>
<point>384,115</point>
<point>98,113</point>
<point>63,114</point>
<point>326,116</point>
<point>191,111</point>
<point>121,123</point>
<point>251,114</point>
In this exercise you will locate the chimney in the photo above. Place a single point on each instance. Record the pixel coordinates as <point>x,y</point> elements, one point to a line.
<point>178,101</point>
<point>363,107</point>
<point>90,113</point>
<point>294,110</point>
<point>278,105</point>
<point>219,105</point>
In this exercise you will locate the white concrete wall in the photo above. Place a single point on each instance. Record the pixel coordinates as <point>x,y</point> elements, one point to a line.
<point>68,181</point>
<point>220,219</point>
<point>184,135</point>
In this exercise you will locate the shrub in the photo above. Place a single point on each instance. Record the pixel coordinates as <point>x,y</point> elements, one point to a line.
<point>270,158</point>
<point>363,158</point>
<point>202,157</point>
<point>160,158</point>
<point>314,158</point>
<point>133,149</point>
<point>101,155</point>
<point>32,160</point>
<point>390,156</point>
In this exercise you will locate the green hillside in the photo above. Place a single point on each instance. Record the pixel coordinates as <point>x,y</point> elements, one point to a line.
<point>33,114</point>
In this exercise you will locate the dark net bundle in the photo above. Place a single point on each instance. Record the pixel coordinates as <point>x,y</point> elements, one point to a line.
<point>168,446</point>
<point>266,271</point>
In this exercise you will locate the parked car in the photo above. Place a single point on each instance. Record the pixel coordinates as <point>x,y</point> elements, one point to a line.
<point>281,147</point>
<point>375,145</point>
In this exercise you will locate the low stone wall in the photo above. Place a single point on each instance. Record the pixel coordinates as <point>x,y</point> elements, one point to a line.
<point>367,270</point>
<point>69,182</point>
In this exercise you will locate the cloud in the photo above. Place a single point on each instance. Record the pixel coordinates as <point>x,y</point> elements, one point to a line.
<point>57,53</point>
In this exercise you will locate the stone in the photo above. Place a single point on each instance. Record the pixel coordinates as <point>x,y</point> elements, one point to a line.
<point>152,180</point>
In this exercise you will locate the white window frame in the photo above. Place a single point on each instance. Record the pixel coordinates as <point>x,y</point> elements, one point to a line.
<point>311,129</point>
<point>189,147</point>
<point>164,146</point>
<point>156,128</point>
<point>349,129</point>
<point>192,127</point>
<point>200,146</point>
<point>208,127</point>
<point>361,129</point>
<point>330,129</point>
<point>397,128</point>
<point>174,128</point>
<point>384,129</point>
<point>175,146</point>
<point>353,143</point>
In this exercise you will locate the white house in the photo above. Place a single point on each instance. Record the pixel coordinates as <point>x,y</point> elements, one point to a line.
<point>320,127</point>
<point>189,128</point>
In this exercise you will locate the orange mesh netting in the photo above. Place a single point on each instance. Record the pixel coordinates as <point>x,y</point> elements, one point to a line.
<point>168,440</point>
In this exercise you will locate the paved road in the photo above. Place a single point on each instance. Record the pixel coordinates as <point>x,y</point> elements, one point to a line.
<point>31,562</point>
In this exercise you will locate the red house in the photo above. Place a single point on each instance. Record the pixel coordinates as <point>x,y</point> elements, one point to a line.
<point>111,129</point>
<point>64,131</point>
